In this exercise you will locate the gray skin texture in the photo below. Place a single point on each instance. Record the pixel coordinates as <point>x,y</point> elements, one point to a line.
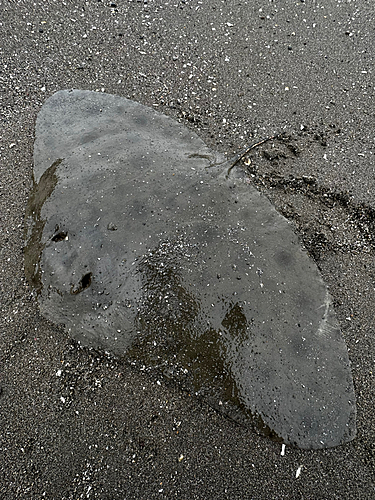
<point>142,243</point>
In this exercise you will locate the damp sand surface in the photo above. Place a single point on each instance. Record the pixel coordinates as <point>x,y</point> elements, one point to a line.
<point>76,423</point>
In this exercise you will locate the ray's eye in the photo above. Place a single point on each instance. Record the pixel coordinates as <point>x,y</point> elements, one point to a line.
<point>84,283</point>
<point>62,235</point>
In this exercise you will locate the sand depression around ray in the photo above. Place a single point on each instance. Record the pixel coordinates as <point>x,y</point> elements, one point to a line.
<point>139,244</point>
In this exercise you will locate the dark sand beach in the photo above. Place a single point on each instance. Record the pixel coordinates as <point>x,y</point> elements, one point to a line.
<point>77,423</point>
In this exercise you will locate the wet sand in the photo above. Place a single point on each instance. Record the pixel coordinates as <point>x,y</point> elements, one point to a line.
<point>76,423</point>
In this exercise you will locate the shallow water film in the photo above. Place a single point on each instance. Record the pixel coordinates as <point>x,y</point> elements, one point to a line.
<point>139,242</point>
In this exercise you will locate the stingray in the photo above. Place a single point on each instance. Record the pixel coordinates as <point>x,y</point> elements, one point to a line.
<point>147,244</point>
